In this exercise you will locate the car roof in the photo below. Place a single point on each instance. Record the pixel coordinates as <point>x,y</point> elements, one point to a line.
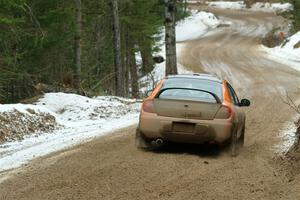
<point>200,76</point>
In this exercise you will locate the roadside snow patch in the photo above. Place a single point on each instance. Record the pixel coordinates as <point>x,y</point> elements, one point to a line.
<point>195,1</point>
<point>195,25</point>
<point>287,137</point>
<point>18,121</point>
<point>287,53</point>
<point>271,7</point>
<point>259,6</point>
<point>82,119</point>
<point>234,5</point>
<point>72,108</point>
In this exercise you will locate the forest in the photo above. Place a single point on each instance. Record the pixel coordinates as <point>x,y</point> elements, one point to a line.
<point>69,45</point>
<point>296,15</point>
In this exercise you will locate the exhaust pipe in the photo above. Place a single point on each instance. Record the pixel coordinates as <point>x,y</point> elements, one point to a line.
<point>158,142</point>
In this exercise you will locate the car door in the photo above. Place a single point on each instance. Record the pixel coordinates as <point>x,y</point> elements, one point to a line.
<point>240,115</point>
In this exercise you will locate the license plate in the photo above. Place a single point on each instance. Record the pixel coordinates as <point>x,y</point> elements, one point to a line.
<point>183,127</point>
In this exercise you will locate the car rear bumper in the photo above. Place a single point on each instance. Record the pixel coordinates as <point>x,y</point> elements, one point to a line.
<point>153,126</point>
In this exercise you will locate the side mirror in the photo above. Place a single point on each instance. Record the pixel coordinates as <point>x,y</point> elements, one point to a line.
<point>245,103</point>
<point>158,59</point>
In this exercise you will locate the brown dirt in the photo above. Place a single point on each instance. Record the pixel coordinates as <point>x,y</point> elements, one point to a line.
<point>290,161</point>
<point>297,45</point>
<point>272,39</point>
<point>32,100</point>
<point>15,125</point>
<point>112,168</point>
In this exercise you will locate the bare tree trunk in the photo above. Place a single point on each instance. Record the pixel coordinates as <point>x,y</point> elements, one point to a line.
<point>248,3</point>
<point>147,60</point>
<point>126,78</point>
<point>78,19</point>
<point>119,87</point>
<point>127,60</point>
<point>170,20</point>
<point>133,73</point>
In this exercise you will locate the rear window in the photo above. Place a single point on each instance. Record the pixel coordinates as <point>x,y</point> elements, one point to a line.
<point>187,94</point>
<point>181,90</point>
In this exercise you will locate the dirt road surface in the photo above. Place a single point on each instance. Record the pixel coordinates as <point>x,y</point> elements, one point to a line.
<point>112,168</point>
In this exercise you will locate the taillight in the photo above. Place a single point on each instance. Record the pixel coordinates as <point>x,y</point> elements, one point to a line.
<point>224,113</point>
<point>148,106</point>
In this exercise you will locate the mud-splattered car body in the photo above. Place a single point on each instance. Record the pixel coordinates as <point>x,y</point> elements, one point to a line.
<point>196,108</point>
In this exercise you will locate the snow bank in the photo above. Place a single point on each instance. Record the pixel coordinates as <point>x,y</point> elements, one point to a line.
<point>195,25</point>
<point>272,7</point>
<point>287,53</point>
<point>287,137</point>
<point>235,5</point>
<point>81,119</point>
<point>18,121</point>
<point>259,6</point>
<point>275,7</point>
<point>72,108</point>
<point>195,1</point>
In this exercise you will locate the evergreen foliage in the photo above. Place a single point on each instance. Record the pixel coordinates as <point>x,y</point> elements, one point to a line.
<point>37,44</point>
<point>296,15</point>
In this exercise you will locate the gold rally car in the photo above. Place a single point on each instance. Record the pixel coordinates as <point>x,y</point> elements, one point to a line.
<point>196,108</point>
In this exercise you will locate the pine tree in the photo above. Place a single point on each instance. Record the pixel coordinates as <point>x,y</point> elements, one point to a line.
<point>296,4</point>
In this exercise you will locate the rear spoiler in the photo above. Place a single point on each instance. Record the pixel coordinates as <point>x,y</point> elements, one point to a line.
<point>172,88</point>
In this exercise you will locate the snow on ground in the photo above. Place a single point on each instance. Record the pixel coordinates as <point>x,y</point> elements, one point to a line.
<point>286,53</point>
<point>81,119</point>
<point>195,26</point>
<point>259,6</point>
<point>72,108</point>
<point>287,137</point>
<point>18,120</point>
<point>195,1</point>
<point>235,5</point>
<point>271,7</point>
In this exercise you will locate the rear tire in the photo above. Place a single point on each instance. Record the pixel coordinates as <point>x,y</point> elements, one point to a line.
<point>140,140</point>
